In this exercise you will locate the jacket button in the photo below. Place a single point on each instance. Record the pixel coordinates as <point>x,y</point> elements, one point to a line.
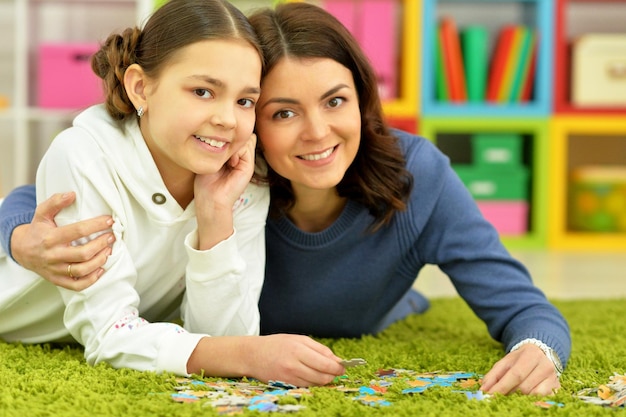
<point>158,198</point>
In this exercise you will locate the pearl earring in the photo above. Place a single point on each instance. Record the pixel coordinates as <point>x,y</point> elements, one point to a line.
<point>140,111</point>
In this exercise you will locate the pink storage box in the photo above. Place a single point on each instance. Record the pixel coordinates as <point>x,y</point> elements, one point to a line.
<point>65,78</point>
<point>508,217</point>
<point>373,24</point>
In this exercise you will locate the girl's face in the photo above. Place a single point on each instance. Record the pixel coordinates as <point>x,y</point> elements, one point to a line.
<point>200,110</point>
<point>309,122</point>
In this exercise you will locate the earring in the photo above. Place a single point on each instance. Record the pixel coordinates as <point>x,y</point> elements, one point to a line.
<point>140,111</point>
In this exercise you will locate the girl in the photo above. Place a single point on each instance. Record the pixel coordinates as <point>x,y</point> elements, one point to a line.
<point>169,157</point>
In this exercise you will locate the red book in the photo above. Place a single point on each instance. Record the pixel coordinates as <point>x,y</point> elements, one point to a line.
<point>453,60</point>
<point>498,62</point>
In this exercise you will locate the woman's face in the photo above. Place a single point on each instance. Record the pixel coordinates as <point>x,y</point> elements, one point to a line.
<point>309,122</point>
<point>200,111</point>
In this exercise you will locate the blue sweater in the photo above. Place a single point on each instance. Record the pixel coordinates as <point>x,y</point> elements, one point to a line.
<point>346,282</point>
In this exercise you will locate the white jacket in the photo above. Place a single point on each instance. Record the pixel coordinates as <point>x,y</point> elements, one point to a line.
<point>112,172</point>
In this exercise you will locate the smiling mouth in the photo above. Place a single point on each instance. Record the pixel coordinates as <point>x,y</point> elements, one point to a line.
<point>317,156</point>
<point>212,142</point>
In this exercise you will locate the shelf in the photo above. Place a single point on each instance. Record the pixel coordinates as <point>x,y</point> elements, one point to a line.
<point>577,141</point>
<point>535,131</point>
<point>572,19</point>
<point>493,14</point>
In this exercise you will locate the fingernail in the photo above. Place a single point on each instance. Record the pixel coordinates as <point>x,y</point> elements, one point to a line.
<point>111,239</point>
<point>65,196</point>
<point>100,272</point>
<point>109,221</point>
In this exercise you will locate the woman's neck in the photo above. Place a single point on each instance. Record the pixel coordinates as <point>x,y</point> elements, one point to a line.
<point>316,210</point>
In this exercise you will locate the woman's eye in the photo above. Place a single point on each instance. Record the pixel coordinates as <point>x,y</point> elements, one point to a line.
<point>247,103</point>
<point>283,114</point>
<point>335,102</point>
<point>202,92</point>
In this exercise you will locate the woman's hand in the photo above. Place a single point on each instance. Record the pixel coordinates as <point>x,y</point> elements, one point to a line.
<point>47,250</point>
<point>216,194</point>
<point>526,370</point>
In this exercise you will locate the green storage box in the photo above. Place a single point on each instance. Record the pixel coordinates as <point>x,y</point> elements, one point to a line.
<point>495,184</point>
<point>598,199</point>
<point>497,150</point>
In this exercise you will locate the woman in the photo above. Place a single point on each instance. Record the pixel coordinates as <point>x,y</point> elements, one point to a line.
<point>358,209</point>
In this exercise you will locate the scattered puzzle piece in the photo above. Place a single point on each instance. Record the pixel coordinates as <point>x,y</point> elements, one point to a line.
<point>353,362</point>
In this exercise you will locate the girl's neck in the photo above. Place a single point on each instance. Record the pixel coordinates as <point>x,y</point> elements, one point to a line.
<point>316,210</point>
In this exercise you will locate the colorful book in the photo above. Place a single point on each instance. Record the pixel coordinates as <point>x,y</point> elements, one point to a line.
<point>523,61</point>
<point>499,62</point>
<point>453,60</point>
<point>474,40</point>
<point>512,65</point>
<point>529,80</point>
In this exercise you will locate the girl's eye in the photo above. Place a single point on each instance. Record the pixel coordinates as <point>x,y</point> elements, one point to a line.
<point>247,103</point>
<point>335,102</point>
<point>202,92</point>
<point>283,114</point>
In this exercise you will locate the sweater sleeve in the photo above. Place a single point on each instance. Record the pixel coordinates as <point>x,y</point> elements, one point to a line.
<point>467,248</point>
<point>226,281</point>
<point>17,208</point>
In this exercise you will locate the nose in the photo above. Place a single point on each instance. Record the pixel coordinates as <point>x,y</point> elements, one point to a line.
<point>223,114</point>
<point>316,126</point>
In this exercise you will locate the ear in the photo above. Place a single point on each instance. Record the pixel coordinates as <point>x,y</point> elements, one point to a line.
<point>135,82</point>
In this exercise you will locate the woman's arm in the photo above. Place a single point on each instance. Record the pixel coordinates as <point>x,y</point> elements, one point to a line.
<point>30,235</point>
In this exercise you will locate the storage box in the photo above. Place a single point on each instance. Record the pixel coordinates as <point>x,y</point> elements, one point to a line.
<point>510,218</point>
<point>374,25</point>
<point>599,70</point>
<point>65,78</point>
<point>598,199</point>
<point>497,149</point>
<point>495,184</point>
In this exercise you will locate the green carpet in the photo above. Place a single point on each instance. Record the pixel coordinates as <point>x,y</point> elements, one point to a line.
<point>45,380</point>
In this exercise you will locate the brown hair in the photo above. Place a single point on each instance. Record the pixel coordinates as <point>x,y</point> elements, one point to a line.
<point>377,177</point>
<point>173,26</point>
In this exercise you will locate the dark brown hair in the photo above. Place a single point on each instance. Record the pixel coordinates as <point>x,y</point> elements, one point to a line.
<point>173,26</point>
<point>377,178</point>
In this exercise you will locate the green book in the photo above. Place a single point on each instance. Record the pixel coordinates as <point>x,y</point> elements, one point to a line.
<point>441,83</point>
<point>474,43</point>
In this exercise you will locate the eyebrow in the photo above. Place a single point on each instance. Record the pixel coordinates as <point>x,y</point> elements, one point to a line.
<point>220,84</point>
<point>284,100</point>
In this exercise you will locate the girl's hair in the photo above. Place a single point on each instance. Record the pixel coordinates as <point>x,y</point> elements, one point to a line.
<point>377,178</point>
<point>178,23</point>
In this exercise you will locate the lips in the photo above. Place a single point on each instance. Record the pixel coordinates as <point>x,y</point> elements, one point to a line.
<point>317,156</point>
<point>212,142</point>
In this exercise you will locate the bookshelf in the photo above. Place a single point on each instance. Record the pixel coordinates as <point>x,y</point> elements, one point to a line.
<point>27,127</point>
<point>491,14</point>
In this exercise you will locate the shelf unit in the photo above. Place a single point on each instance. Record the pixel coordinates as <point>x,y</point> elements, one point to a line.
<point>535,133</point>
<point>493,14</point>
<point>572,20</point>
<point>557,135</point>
<point>577,141</point>
<point>35,21</point>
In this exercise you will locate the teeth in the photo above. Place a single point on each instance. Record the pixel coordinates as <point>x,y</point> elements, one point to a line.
<point>212,142</point>
<point>317,156</point>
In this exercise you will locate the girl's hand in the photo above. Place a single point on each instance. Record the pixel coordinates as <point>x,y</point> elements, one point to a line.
<point>526,370</point>
<point>46,249</point>
<point>216,194</point>
<point>294,359</point>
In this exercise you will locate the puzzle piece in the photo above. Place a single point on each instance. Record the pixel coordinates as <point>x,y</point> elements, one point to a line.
<point>353,362</point>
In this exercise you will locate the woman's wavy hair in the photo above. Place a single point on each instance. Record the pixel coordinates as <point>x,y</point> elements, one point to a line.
<point>176,24</point>
<point>377,178</point>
